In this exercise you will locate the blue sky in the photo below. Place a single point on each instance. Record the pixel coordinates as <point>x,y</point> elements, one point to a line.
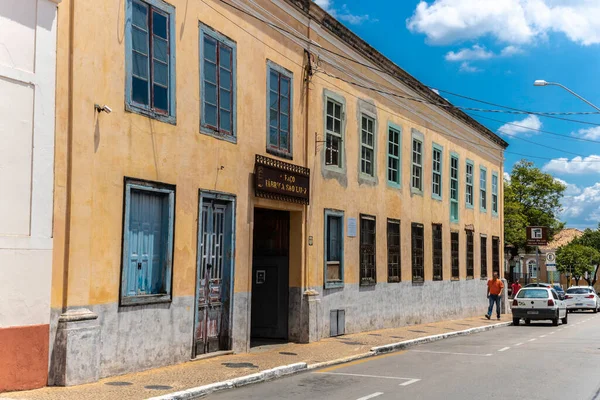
<point>493,50</point>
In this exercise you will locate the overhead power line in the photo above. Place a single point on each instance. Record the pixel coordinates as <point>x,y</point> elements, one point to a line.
<point>515,110</point>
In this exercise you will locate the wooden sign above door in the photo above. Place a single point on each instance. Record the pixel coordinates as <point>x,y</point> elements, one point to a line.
<point>278,180</point>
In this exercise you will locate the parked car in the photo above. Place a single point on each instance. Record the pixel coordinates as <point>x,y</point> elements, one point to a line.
<point>560,291</point>
<point>538,303</point>
<point>539,284</point>
<point>582,298</point>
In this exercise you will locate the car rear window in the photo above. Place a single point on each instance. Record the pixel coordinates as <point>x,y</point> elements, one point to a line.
<point>533,294</point>
<point>579,291</point>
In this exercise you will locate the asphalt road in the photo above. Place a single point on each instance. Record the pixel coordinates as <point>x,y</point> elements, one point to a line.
<point>532,362</point>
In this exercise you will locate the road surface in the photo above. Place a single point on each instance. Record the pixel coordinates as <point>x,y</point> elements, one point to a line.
<point>532,362</point>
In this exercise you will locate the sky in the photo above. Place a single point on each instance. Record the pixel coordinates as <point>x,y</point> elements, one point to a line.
<point>493,50</point>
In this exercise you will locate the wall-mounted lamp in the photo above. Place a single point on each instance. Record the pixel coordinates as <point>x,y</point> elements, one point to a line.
<point>104,108</point>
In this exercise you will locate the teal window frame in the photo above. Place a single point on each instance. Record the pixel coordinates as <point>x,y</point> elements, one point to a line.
<point>391,157</point>
<point>439,173</point>
<point>205,128</point>
<point>168,192</point>
<point>470,184</point>
<point>367,146</point>
<point>483,189</point>
<point>150,110</point>
<point>281,73</point>
<point>333,214</point>
<point>495,198</point>
<point>417,162</point>
<point>455,192</point>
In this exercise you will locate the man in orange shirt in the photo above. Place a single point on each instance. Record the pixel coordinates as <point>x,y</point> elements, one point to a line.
<point>494,291</point>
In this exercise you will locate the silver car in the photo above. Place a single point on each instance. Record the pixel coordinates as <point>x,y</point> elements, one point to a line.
<point>582,298</point>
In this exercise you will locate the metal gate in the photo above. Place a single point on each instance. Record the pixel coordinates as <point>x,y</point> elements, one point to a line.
<point>214,276</point>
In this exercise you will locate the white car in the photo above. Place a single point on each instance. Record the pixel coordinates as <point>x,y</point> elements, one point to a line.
<point>582,298</point>
<point>538,303</point>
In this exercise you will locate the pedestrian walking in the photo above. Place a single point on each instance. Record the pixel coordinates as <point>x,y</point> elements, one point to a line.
<point>516,286</point>
<point>494,291</point>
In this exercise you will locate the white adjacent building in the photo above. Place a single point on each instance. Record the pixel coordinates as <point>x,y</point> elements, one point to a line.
<point>27,110</point>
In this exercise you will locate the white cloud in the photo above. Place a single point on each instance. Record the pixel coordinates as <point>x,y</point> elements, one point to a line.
<point>507,177</point>
<point>571,188</point>
<point>576,166</point>
<point>581,207</point>
<point>477,52</point>
<point>344,13</point>
<point>510,51</point>
<point>588,133</point>
<point>466,67</point>
<point>508,21</point>
<point>525,126</point>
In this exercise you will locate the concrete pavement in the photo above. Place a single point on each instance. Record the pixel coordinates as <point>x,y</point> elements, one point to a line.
<point>536,362</point>
<point>162,381</point>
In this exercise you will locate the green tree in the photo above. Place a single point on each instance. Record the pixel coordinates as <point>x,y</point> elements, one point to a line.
<point>531,198</point>
<point>576,259</point>
<point>590,238</point>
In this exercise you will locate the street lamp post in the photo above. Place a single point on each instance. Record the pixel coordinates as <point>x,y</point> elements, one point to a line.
<point>541,82</point>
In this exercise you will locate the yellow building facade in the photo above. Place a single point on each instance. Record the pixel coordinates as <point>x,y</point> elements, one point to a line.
<point>234,172</point>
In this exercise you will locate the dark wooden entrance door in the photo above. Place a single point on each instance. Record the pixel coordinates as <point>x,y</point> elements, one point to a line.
<point>270,274</point>
<point>213,289</point>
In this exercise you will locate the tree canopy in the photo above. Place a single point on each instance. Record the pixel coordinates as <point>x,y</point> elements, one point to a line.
<point>576,259</point>
<point>531,198</point>
<point>590,238</point>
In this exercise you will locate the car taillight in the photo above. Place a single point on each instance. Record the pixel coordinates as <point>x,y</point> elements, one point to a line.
<point>568,297</point>
<point>515,303</point>
<point>550,303</point>
<point>591,296</point>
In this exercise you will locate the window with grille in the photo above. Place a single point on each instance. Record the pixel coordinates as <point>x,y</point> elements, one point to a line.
<point>333,133</point>
<point>454,244</point>
<point>367,146</point>
<point>438,255</point>
<point>279,89</point>
<point>418,251</point>
<point>454,188</point>
<point>334,248</point>
<point>469,184</point>
<point>368,274</point>
<point>394,166</point>
<point>417,165</point>
<point>495,193</point>
<point>483,252</point>
<point>436,174</point>
<point>151,58</point>
<point>483,188</point>
<point>496,254</point>
<point>470,255</point>
<point>393,243</point>
<point>218,57</point>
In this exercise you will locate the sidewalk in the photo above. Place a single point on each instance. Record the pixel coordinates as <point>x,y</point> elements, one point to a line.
<point>161,381</point>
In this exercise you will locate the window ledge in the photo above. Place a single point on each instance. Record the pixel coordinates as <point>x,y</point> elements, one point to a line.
<point>469,207</point>
<point>418,283</point>
<point>438,279</point>
<point>416,191</point>
<point>145,299</point>
<point>484,278</point>
<point>394,280</point>
<point>334,285</point>
<point>394,185</point>
<point>469,278</point>
<point>455,279</point>
<point>217,135</point>
<point>280,153</point>
<point>436,198</point>
<point>368,283</point>
<point>132,108</point>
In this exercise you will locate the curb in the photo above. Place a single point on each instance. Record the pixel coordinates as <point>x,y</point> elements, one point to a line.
<point>262,376</point>
<point>427,339</point>
<point>291,369</point>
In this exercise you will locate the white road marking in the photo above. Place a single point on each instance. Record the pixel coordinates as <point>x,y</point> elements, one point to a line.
<point>376,394</point>
<point>543,336</point>
<point>367,376</point>
<point>531,340</point>
<point>504,349</point>
<point>518,344</point>
<point>409,382</point>
<point>455,354</point>
<point>552,333</point>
